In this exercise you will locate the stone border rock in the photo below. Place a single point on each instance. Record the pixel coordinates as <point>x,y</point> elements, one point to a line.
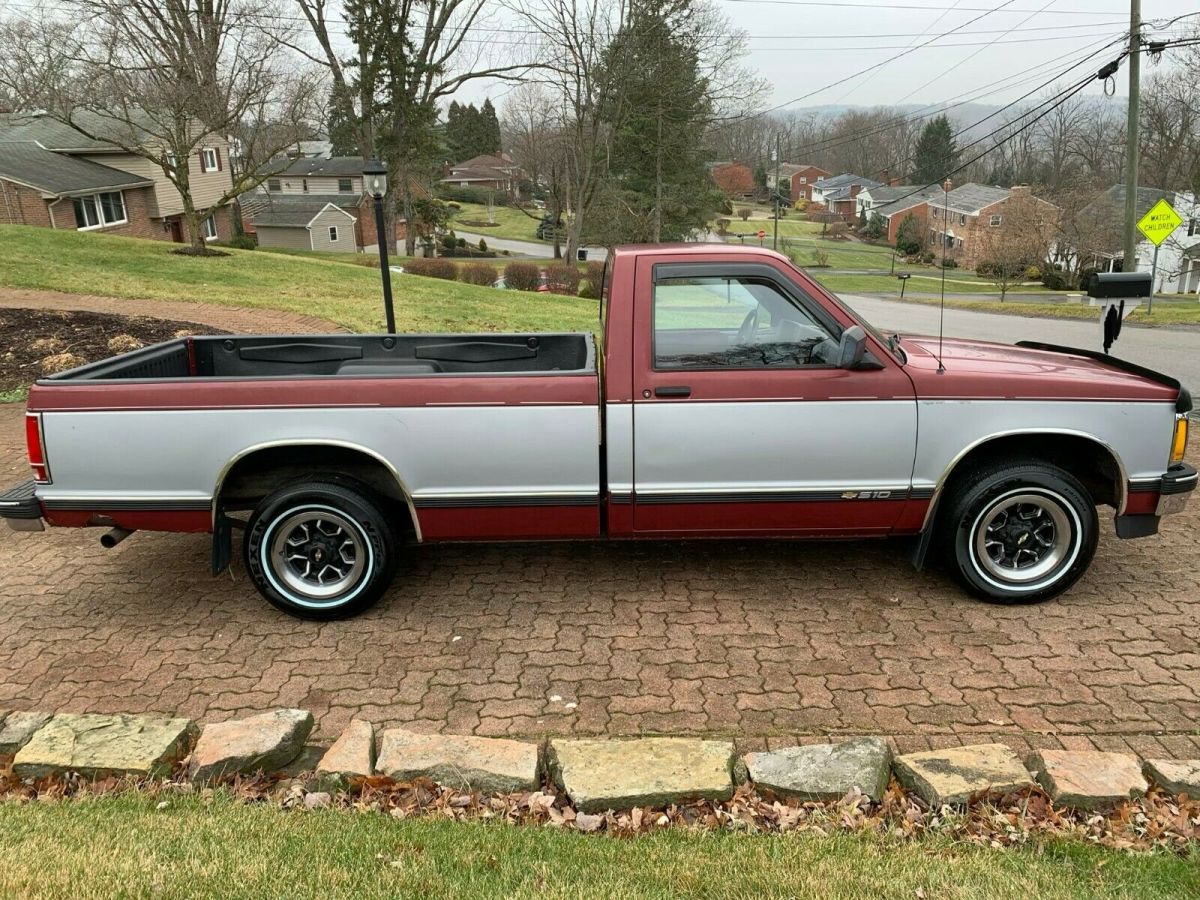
<point>597,775</point>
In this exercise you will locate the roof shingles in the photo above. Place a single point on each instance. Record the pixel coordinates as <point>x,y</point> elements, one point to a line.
<point>25,162</point>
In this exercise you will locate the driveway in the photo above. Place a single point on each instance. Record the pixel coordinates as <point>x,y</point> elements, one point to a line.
<point>1175,352</point>
<point>526,248</point>
<point>772,641</point>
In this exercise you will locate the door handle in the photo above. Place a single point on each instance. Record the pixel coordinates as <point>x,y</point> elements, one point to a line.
<point>678,390</point>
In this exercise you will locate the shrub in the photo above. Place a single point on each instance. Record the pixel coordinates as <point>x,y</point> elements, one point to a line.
<point>477,273</point>
<point>482,245</point>
<point>462,242</point>
<point>433,268</point>
<point>563,278</point>
<point>948,263</point>
<point>722,226</point>
<point>594,281</point>
<point>243,242</point>
<point>522,276</point>
<point>927,257</point>
<point>743,213</point>
<point>838,231</point>
<point>820,258</point>
<point>449,240</point>
<point>1056,279</point>
<point>1033,273</point>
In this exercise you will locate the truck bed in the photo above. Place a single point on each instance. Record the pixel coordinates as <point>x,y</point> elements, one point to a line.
<point>373,356</point>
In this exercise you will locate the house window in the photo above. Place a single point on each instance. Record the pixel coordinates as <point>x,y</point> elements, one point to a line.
<point>803,179</point>
<point>962,220</point>
<point>172,161</point>
<point>304,185</point>
<point>333,235</point>
<point>210,159</point>
<point>345,185</point>
<point>273,185</point>
<point>99,210</point>
<point>995,221</point>
<point>1193,227</point>
<point>210,228</point>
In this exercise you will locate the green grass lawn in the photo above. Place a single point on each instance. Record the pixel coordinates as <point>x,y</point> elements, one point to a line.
<point>123,846</point>
<point>510,223</point>
<point>340,291</point>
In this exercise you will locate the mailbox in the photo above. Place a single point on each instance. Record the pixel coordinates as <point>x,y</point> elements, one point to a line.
<point>1119,285</point>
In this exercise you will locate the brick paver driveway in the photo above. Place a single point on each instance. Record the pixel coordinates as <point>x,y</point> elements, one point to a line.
<point>771,640</point>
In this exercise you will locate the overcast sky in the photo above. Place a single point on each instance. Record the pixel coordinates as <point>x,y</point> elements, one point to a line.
<point>806,47</point>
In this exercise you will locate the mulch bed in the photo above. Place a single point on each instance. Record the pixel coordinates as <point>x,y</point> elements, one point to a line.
<point>30,337</point>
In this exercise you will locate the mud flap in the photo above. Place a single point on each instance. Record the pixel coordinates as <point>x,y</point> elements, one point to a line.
<point>222,546</point>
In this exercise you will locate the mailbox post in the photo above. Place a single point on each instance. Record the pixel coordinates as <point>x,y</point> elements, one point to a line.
<point>904,276</point>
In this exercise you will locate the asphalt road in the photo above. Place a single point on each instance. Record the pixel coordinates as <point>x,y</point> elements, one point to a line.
<point>1175,352</point>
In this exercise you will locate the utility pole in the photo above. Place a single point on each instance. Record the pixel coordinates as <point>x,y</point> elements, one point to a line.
<point>775,239</point>
<point>1131,136</point>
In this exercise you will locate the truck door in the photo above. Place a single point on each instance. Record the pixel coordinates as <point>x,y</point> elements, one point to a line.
<point>744,425</point>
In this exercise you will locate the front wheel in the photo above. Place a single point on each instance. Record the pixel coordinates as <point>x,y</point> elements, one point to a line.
<point>320,549</point>
<point>1020,533</point>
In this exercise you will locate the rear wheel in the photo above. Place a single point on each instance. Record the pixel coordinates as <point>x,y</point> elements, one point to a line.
<point>320,549</point>
<point>1020,533</point>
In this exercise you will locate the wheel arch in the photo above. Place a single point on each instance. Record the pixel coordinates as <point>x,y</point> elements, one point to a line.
<point>1089,458</point>
<point>257,470</point>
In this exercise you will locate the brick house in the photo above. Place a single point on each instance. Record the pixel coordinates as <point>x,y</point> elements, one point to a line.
<point>290,198</point>
<point>895,203</point>
<point>52,176</point>
<point>488,172</point>
<point>970,219</point>
<point>799,179</point>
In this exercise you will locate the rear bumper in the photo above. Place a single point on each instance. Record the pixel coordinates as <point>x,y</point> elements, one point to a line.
<point>1174,489</point>
<point>20,508</point>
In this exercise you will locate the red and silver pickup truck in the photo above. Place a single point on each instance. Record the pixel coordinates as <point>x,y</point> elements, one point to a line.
<point>734,398</point>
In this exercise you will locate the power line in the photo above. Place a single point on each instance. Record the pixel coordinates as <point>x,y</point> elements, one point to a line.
<point>890,59</point>
<point>933,109</point>
<point>897,6</point>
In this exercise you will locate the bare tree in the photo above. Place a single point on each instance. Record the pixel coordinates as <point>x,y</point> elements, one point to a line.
<point>411,54</point>
<point>1021,239</point>
<point>534,136</point>
<point>156,78</point>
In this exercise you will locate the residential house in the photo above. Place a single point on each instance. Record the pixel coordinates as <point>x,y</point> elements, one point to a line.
<point>306,223</point>
<point>53,176</point>
<point>289,199</point>
<point>489,172</point>
<point>734,179</point>
<point>1178,269</point>
<point>967,221</point>
<point>798,179</point>
<point>839,193</point>
<point>895,203</point>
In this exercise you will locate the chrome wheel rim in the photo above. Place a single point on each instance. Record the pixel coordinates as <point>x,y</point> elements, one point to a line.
<point>318,553</point>
<point>1024,539</point>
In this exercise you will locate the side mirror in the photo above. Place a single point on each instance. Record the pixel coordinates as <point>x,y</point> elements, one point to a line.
<point>852,348</point>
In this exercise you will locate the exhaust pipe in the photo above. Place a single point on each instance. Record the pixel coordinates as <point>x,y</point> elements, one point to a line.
<point>110,539</point>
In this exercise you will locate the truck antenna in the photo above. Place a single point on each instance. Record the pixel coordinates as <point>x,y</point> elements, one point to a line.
<point>942,306</point>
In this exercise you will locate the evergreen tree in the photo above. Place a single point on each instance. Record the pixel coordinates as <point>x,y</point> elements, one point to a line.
<point>936,152</point>
<point>343,132</point>
<point>489,129</point>
<point>660,188</point>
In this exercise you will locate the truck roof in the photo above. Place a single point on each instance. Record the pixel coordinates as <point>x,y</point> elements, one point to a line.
<point>694,248</point>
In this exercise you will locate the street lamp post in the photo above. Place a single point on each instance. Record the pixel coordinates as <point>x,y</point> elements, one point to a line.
<point>375,176</point>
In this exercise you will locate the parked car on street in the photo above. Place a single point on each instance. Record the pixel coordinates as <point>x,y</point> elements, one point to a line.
<point>737,398</point>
